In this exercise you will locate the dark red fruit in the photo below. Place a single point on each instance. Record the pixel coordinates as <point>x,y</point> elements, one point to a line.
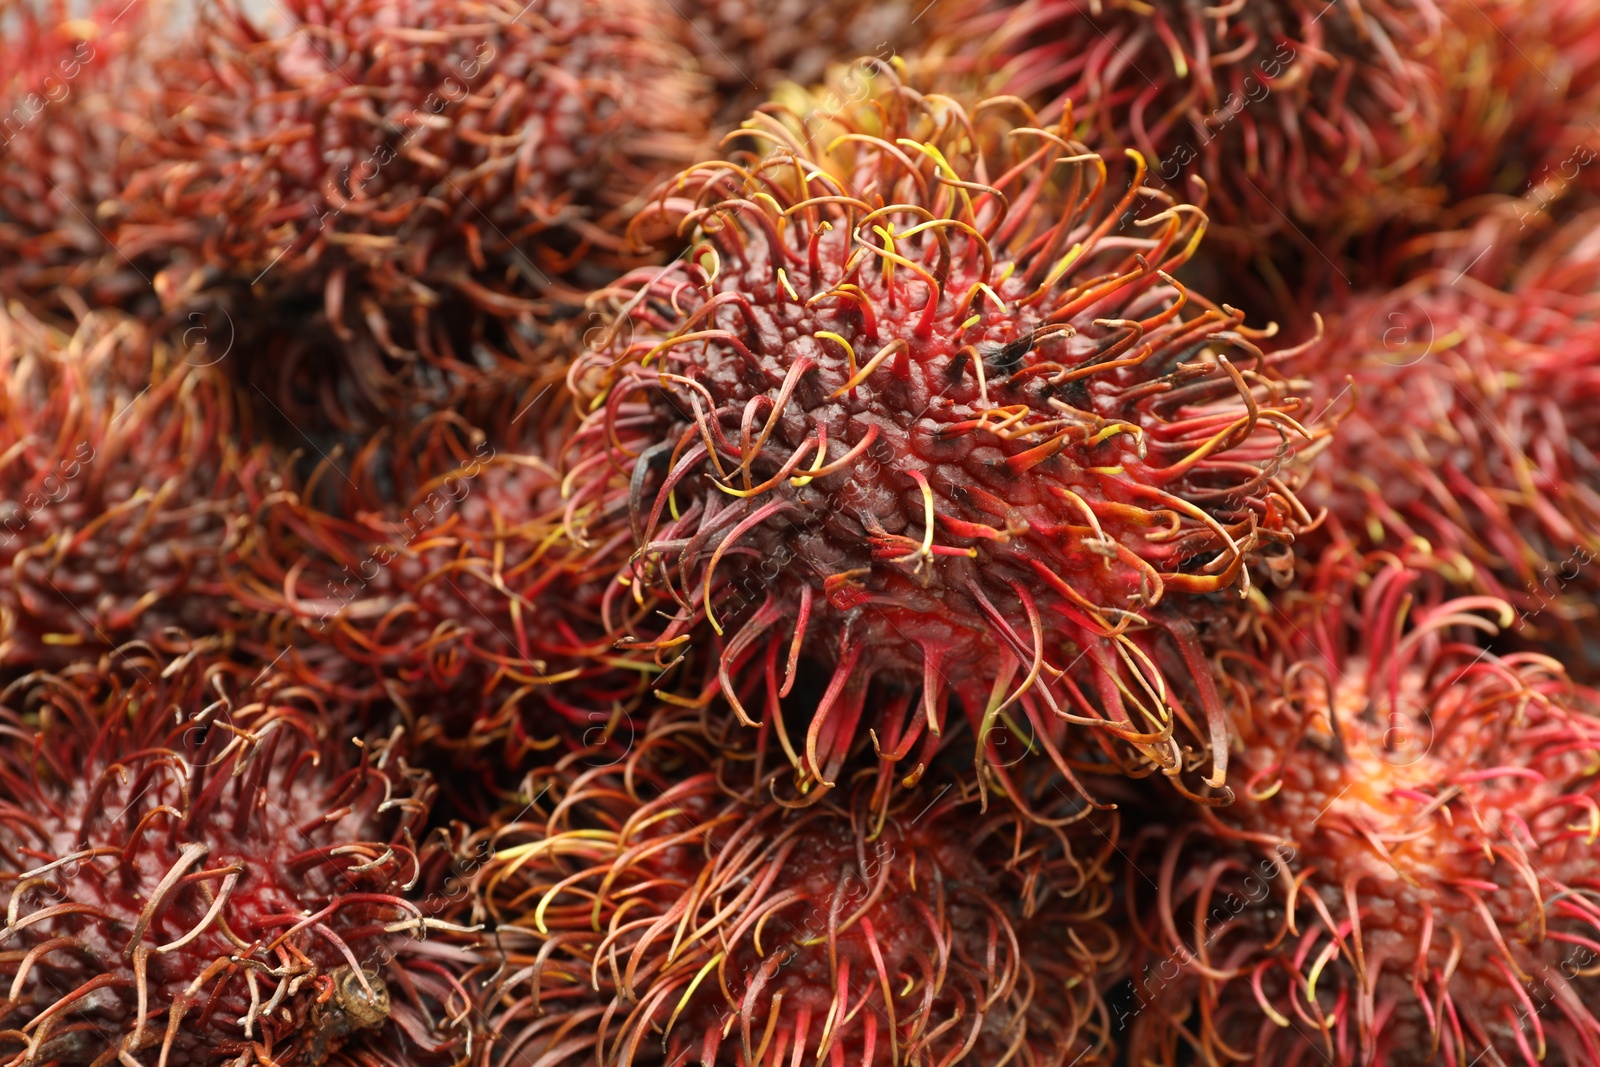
<point>924,406</point>
<point>1405,877</point>
<point>1302,116</point>
<point>202,868</point>
<point>1472,435</point>
<point>465,605</point>
<point>669,907</point>
<point>65,77</point>
<point>411,177</point>
<point>119,479</point>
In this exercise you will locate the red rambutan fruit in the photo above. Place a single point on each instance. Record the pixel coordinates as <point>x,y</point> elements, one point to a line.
<point>669,910</point>
<point>63,80</point>
<point>403,181</point>
<point>464,605</point>
<point>1406,874</point>
<point>750,48</point>
<point>202,868</point>
<point>119,480</point>
<point>1526,100</point>
<point>1471,446</point>
<point>1299,114</point>
<point>130,513</point>
<point>914,409</point>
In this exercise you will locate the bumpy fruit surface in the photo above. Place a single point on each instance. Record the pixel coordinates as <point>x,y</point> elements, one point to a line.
<point>65,77</point>
<point>670,904</point>
<point>382,196</point>
<point>1471,439</point>
<point>1300,116</point>
<point>463,605</point>
<point>1405,876</point>
<point>119,477</point>
<point>201,869</point>
<point>916,410</point>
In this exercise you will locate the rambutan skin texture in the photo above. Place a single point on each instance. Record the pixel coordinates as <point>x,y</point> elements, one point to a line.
<point>1526,97</point>
<point>200,867</point>
<point>464,605</point>
<point>384,200</point>
<point>383,157</point>
<point>1404,878</point>
<point>909,408</point>
<point>750,48</point>
<point>65,76</point>
<point>1471,440</point>
<point>1298,116</point>
<point>132,511</point>
<point>668,907</point>
<point>119,478</point>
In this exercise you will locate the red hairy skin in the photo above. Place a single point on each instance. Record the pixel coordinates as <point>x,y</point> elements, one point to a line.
<point>596,142</point>
<point>464,606</point>
<point>968,440</point>
<point>131,513</point>
<point>383,199</point>
<point>749,47</point>
<point>119,479</point>
<point>65,74</point>
<point>1406,875</point>
<point>1299,116</point>
<point>1527,99</point>
<point>1471,443</point>
<point>173,900</point>
<point>669,910</point>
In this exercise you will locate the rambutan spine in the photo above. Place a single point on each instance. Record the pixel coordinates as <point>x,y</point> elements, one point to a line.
<point>121,477</point>
<point>1298,116</point>
<point>430,575</point>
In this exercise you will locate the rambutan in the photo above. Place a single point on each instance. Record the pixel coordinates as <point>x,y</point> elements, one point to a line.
<point>464,605</point>
<point>669,910</point>
<point>119,479</point>
<point>750,48</point>
<point>1472,442</point>
<point>131,512</point>
<point>63,78</point>
<point>1525,100</point>
<point>913,410</point>
<point>1300,115</point>
<point>1405,876</point>
<point>398,185</point>
<point>202,868</point>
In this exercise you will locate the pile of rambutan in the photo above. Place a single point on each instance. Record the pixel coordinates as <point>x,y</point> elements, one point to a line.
<point>636,533</point>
